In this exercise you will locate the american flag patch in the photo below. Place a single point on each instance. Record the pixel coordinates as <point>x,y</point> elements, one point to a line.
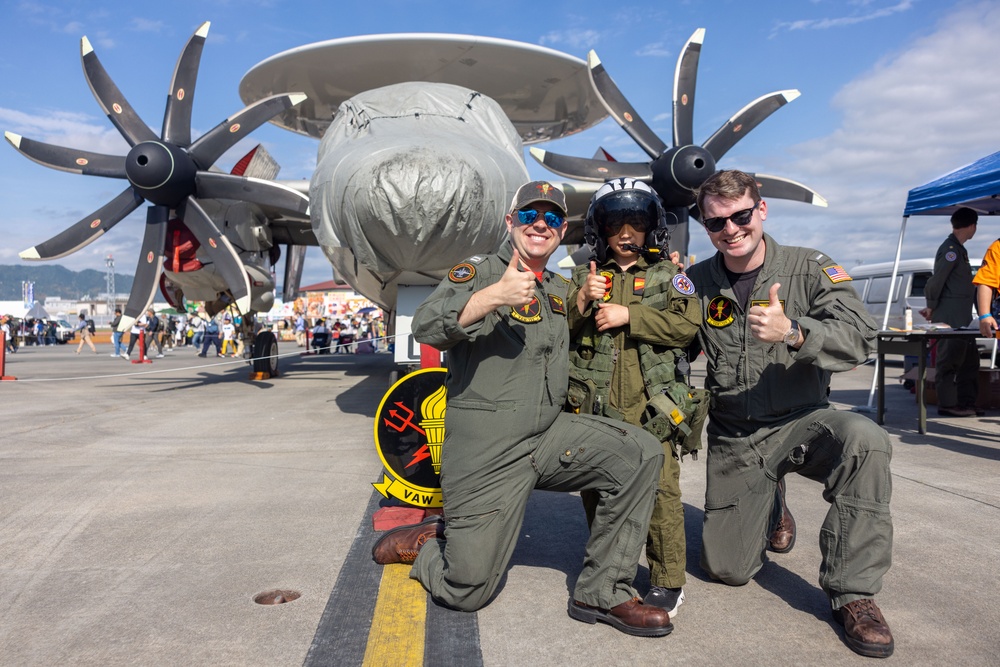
<point>836,273</point>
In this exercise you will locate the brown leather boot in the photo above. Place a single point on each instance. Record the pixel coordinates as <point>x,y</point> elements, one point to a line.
<point>782,538</point>
<point>632,617</point>
<point>402,544</point>
<point>865,629</point>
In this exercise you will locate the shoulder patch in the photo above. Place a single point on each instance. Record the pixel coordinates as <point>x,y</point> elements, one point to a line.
<point>462,273</point>
<point>683,284</point>
<point>951,256</point>
<point>837,274</point>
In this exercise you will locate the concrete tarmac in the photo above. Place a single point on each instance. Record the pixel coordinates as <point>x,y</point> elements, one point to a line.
<point>144,507</point>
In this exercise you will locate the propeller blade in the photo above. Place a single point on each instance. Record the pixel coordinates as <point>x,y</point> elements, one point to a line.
<point>620,109</point>
<point>219,249</point>
<point>585,169</point>
<point>213,185</point>
<point>685,77</point>
<point>86,230</point>
<point>776,187</point>
<point>177,117</point>
<point>295,257</point>
<point>114,104</point>
<point>745,120</point>
<point>68,159</point>
<point>147,271</point>
<point>207,149</point>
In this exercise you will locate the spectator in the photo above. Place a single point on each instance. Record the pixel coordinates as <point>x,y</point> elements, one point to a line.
<point>116,335</point>
<point>210,337</point>
<point>83,330</point>
<point>154,329</point>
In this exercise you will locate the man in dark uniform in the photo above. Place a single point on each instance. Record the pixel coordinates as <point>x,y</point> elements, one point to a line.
<point>502,319</point>
<point>778,321</point>
<point>950,295</point>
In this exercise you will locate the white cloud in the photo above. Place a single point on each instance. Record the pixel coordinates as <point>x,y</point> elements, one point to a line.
<point>65,128</point>
<point>867,13</point>
<point>575,39</point>
<point>913,117</point>
<point>147,25</point>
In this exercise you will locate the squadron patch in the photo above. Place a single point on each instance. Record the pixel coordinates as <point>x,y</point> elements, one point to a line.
<point>532,312</point>
<point>556,304</point>
<point>683,284</point>
<point>951,256</point>
<point>720,312</point>
<point>837,274</point>
<point>609,278</point>
<point>462,273</point>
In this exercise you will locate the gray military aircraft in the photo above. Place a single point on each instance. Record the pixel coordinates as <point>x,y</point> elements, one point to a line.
<point>421,150</point>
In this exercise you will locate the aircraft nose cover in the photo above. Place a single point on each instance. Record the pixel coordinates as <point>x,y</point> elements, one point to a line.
<point>416,176</point>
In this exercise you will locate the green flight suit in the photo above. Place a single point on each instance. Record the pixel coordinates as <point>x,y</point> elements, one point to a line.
<point>506,434</point>
<point>672,327</point>
<point>770,415</point>
<point>950,294</point>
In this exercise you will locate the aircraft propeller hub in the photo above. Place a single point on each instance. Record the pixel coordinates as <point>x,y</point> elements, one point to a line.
<point>163,174</point>
<point>678,172</point>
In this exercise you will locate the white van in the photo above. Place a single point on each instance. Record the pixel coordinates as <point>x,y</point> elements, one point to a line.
<point>872,284</point>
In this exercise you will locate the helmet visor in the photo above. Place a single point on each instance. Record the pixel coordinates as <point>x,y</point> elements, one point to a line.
<point>626,207</point>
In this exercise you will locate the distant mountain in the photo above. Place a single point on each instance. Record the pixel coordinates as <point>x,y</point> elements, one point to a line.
<point>53,280</point>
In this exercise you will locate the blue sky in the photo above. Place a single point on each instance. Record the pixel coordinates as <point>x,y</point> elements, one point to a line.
<point>894,94</point>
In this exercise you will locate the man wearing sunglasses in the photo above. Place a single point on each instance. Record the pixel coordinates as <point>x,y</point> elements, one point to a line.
<point>778,321</point>
<point>502,320</point>
<point>631,317</point>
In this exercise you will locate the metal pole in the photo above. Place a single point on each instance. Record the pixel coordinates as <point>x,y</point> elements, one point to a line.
<point>885,317</point>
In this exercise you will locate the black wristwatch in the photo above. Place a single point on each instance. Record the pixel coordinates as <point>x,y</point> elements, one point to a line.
<point>792,337</point>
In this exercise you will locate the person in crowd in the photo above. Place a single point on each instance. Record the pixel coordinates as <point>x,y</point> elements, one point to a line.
<point>82,329</point>
<point>987,282</point>
<point>950,295</point>
<point>210,337</point>
<point>116,335</point>
<point>778,321</point>
<point>154,329</point>
<point>502,319</point>
<point>228,336</point>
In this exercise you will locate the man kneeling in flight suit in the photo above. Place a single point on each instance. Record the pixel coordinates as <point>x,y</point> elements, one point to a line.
<point>502,318</point>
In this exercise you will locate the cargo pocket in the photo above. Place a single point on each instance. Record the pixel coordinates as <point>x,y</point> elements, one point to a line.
<point>580,396</point>
<point>722,543</point>
<point>474,547</point>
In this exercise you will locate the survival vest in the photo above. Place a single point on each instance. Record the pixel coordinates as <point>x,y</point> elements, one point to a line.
<point>674,411</point>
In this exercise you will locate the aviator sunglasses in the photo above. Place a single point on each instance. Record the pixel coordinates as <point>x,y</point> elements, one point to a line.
<point>739,218</point>
<point>528,217</point>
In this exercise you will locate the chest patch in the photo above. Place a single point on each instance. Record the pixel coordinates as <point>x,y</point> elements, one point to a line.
<point>638,286</point>
<point>683,284</point>
<point>556,304</point>
<point>531,312</point>
<point>609,278</point>
<point>720,312</point>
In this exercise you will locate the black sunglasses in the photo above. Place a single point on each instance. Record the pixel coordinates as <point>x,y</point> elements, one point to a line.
<point>739,218</point>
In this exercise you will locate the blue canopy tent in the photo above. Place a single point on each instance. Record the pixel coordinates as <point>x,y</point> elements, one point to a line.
<point>975,185</point>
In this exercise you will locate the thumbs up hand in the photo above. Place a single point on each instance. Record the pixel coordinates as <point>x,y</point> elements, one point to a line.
<point>769,323</point>
<point>516,286</point>
<point>595,286</point>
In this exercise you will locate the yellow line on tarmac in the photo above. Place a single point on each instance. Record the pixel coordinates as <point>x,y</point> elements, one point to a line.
<point>398,624</point>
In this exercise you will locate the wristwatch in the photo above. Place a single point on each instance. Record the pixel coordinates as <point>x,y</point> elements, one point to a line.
<point>792,337</point>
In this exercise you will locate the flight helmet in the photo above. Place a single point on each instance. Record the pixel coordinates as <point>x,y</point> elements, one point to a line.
<point>620,201</point>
